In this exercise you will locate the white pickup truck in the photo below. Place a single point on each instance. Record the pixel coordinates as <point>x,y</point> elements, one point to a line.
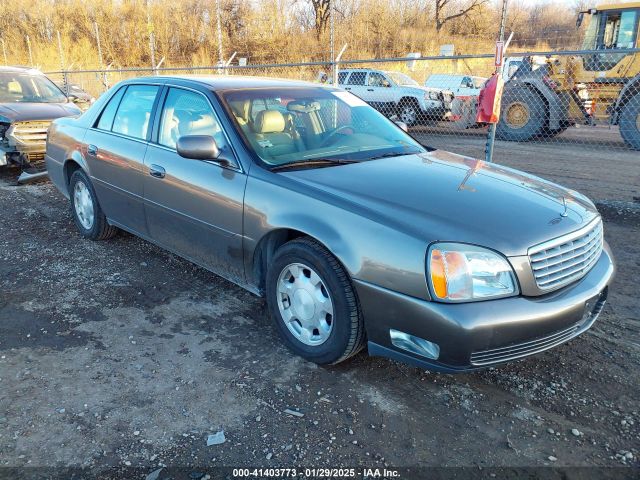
<point>394,93</point>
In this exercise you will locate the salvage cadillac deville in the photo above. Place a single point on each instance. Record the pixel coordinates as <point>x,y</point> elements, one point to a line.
<point>356,234</point>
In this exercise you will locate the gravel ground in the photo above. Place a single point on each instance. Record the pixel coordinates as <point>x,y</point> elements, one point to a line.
<point>118,354</point>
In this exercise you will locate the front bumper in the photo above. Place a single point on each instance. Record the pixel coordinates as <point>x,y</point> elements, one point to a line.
<point>481,334</point>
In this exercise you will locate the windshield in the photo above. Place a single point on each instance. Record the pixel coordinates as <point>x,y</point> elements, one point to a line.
<point>402,79</point>
<point>20,87</point>
<point>296,125</point>
<point>478,82</point>
<point>611,30</point>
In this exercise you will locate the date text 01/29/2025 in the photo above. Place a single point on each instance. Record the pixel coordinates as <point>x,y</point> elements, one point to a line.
<point>380,473</point>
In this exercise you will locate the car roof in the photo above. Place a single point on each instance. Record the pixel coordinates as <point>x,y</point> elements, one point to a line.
<point>225,82</point>
<point>18,69</point>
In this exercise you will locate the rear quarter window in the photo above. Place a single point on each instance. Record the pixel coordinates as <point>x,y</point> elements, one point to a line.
<point>105,122</point>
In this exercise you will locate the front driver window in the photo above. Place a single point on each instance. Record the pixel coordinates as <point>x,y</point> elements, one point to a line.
<point>377,80</point>
<point>188,113</point>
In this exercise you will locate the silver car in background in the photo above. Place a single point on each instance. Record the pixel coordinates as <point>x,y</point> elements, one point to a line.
<point>356,234</point>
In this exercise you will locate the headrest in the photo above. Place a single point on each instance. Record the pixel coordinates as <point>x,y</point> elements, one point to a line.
<point>240,108</point>
<point>269,121</point>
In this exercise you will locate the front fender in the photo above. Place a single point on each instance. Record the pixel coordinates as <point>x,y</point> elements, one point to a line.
<point>370,251</point>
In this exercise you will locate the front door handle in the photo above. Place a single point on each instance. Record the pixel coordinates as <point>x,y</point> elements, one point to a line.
<point>369,89</point>
<point>156,171</point>
<point>92,150</point>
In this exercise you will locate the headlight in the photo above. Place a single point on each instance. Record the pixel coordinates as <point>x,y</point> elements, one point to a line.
<point>463,273</point>
<point>432,96</point>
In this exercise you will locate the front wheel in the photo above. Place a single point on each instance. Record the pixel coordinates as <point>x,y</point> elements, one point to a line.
<point>85,209</point>
<point>630,122</point>
<point>523,115</point>
<point>409,112</point>
<point>314,305</point>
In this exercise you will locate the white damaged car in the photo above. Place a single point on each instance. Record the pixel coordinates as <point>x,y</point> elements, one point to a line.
<point>394,93</point>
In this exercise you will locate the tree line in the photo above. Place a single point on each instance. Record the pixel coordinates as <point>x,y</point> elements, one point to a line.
<point>54,34</point>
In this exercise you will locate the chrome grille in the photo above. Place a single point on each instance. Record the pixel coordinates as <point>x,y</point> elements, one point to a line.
<point>563,260</point>
<point>512,352</point>
<point>29,137</point>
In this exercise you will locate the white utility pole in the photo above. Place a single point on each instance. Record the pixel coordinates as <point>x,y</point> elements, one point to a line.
<point>30,52</point>
<point>219,26</point>
<point>152,39</point>
<point>4,51</point>
<point>97,32</point>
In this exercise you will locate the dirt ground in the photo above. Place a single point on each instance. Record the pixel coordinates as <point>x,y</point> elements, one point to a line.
<point>118,354</point>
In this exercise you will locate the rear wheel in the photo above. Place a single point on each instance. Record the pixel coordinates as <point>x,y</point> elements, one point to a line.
<point>630,122</point>
<point>85,209</point>
<point>522,116</point>
<point>313,303</point>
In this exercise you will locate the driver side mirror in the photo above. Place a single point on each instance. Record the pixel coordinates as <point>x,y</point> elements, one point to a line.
<point>386,83</point>
<point>579,19</point>
<point>198,147</point>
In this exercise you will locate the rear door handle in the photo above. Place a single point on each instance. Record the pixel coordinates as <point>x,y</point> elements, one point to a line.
<point>92,150</point>
<point>156,171</point>
<point>347,88</point>
<point>369,89</point>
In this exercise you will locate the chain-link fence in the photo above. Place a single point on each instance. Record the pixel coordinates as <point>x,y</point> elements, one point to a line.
<point>556,105</point>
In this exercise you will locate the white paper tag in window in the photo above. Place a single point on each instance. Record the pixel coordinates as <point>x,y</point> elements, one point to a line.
<point>350,99</point>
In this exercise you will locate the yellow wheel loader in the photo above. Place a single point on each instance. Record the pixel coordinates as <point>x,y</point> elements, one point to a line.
<point>595,88</point>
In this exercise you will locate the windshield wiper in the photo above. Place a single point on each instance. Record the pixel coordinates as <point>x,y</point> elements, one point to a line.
<point>392,154</point>
<point>316,162</point>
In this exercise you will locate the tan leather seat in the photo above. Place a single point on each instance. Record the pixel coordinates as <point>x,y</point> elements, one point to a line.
<point>240,109</point>
<point>270,135</point>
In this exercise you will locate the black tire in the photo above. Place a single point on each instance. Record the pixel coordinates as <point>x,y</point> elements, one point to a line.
<point>100,228</point>
<point>534,118</point>
<point>347,335</point>
<point>630,122</point>
<point>551,133</point>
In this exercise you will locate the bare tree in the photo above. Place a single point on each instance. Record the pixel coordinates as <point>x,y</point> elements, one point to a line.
<point>321,10</point>
<point>445,10</point>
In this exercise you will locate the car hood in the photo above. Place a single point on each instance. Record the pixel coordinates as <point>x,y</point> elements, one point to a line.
<point>442,196</point>
<point>421,89</point>
<point>21,112</point>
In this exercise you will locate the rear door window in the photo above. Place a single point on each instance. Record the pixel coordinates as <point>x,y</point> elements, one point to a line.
<point>134,112</point>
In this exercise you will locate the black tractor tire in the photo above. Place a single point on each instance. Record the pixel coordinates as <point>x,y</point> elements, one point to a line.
<point>629,122</point>
<point>347,336</point>
<point>99,229</point>
<point>553,132</point>
<point>531,109</point>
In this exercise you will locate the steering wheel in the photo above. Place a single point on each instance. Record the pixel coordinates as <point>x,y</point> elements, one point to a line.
<point>335,132</point>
